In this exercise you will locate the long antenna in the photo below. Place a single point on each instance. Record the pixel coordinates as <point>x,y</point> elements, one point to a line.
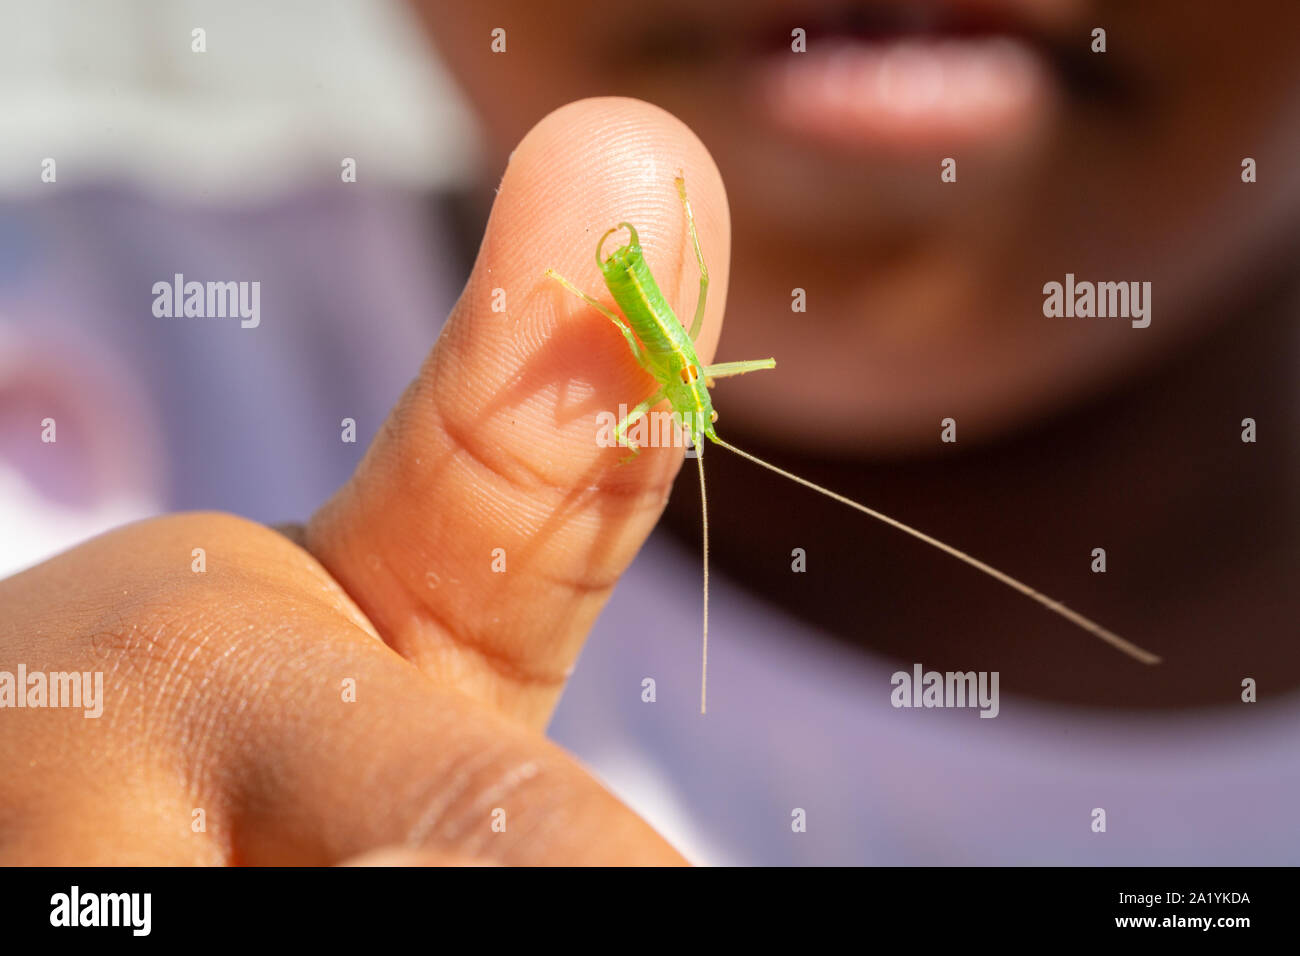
<point>1092,627</point>
<point>704,510</point>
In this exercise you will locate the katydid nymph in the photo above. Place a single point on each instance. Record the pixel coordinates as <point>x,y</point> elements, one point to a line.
<point>666,350</point>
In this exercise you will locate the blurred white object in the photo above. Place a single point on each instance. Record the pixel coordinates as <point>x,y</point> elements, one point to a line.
<point>36,528</point>
<point>283,93</point>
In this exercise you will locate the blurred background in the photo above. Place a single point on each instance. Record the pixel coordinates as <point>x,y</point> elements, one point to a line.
<point>223,165</point>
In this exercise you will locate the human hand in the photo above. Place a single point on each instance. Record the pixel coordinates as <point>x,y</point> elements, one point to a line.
<point>377,689</point>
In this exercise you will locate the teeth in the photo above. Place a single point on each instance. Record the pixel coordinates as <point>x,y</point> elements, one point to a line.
<point>910,77</point>
<point>993,67</point>
<point>843,68</point>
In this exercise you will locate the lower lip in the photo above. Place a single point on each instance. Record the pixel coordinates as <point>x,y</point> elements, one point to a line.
<point>909,94</point>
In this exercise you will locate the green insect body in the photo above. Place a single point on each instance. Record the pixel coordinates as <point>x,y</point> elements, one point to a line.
<point>666,351</point>
<point>656,337</point>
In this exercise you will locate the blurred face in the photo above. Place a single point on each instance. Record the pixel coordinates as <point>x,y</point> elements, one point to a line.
<point>924,298</point>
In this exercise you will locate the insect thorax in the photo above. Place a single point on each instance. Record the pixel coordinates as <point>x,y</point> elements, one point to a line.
<point>692,403</point>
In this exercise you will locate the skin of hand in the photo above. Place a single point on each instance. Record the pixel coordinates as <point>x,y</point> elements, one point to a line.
<point>224,690</point>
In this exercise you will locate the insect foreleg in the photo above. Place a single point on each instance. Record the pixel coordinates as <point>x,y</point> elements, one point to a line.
<point>609,313</point>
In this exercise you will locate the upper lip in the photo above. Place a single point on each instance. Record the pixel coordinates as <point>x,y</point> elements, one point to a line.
<point>701,24</point>
<point>888,18</point>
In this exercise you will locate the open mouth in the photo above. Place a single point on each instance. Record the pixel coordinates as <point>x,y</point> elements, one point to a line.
<point>900,74</point>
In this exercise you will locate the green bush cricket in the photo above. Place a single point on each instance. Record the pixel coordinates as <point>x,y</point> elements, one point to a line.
<point>666,350</point>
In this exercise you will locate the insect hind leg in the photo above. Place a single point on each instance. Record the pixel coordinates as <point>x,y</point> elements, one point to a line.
<point>620,430</point>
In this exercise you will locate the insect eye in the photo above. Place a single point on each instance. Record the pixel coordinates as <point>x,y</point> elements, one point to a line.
<point>714,416</point>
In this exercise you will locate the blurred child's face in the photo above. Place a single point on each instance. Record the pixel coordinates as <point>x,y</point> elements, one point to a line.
<point>925,298</point>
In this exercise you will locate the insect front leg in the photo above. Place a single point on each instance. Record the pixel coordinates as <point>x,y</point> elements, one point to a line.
<point>610,314</point>
<point>698,322</point>
<point>620,431</point>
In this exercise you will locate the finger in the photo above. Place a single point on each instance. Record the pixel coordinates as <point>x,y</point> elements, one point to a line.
<point>402,769</point>
<point>248,714</point>
<point>485,527</point>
